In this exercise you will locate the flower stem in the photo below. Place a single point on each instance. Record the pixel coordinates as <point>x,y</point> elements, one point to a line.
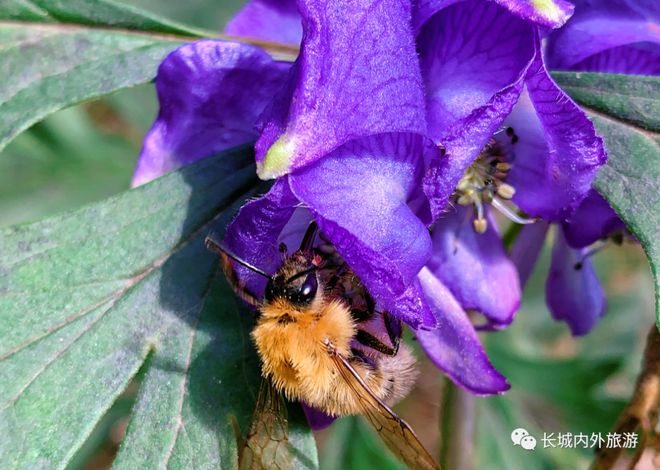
<point>510,235</point>
<point>457,428</point>
<point>641,413</point>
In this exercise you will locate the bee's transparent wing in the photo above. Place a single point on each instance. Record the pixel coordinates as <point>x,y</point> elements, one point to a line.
<point>394,431</point>
<point>267,444</point>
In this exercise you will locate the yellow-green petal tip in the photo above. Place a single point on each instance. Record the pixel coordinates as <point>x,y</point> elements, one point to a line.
<point>548,8</point>
<point>277,161</point>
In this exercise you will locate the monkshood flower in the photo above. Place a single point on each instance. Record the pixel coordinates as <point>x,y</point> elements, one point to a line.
<point>511,139</point>
<point>344,131</point>
<point>615,36</point>
<point>603,36</point>
<point>573,292</point>
<point>478,60</point>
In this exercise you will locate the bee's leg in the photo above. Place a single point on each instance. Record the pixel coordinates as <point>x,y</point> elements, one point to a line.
<point>394,330</point>
<point>367,312</point>
<point>371,305</point>
<point>310,235</point>
<point>358,357</point>
<point>374,343</point>
<point>360,315</point>
<point>282,248</point>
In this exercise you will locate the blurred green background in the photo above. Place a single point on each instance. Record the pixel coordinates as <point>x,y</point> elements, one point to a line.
<point>559,383</point>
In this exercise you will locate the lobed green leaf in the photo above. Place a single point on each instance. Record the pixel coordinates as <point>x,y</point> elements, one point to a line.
<point>54,66</point>
<point>105,13</point>
<point>87,296</point>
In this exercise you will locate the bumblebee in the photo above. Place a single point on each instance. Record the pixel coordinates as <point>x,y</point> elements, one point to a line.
<point>322,341</point>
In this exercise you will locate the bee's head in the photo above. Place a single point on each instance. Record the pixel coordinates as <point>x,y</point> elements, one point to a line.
<point>295,283</point>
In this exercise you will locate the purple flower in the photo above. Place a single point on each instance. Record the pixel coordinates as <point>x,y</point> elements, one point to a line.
<point>483,69</point>
<point>509,135</point>
<point>270,20</point>
<point>615,36</point>
<point>593,220</point>
<point>603,36</point>
<point>573,292</point>
<point>345,131</point>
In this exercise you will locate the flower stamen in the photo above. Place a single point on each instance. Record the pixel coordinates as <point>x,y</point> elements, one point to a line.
<point>589,253</point>
<point>510,214</point>
<point>484,183</point>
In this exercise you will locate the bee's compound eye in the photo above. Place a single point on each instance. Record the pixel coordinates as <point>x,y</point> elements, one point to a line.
<point>270,291</point>
<point>307,290</point>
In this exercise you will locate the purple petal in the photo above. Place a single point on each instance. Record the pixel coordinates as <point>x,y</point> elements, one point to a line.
<point>423,10</point>
<point>593,219</point>
<point>527,248</point>
<point>547,13</point>
<point>270,20</point>
<point>317,419</point>
<point>600,26</point>
<point>294,231</point>
<point>558,152</point>
<point>469,52</point>
<point>357,74</point>
<point>474,56</point>
<point>358,195</point>
<point>454,346</point>
<point>552,13</point>
<point>411,307</point>
<point>253,234</point>
<point>463,146</point>
<point>210,93</point>
<point>636,59</point>
<point>572,290</point>
<point>475,267</point>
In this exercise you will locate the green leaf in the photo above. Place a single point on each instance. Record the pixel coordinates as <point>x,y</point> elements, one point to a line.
<point>91,13</point>
<point>200,13</point>
<point>60,52</point>
<point>631,98</point>
<point>50,168</point>
<point>626,112</point>
<point>87,296</point>
<point>54,66</point>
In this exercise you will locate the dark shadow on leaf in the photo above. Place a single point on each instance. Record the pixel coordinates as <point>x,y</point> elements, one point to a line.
<point>222,370</point>
<point>218,187</point>
<point>205,368</point>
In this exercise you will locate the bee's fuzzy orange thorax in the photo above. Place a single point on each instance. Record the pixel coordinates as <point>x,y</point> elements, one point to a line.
<point>291,345</point>
<point>294,356</point>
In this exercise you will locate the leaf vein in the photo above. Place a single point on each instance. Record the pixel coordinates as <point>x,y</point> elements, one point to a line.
<point>68,320</point>
<point>56,356</point>
<point>42,79</point>
<point>651,134</point>
<point>184,371</point>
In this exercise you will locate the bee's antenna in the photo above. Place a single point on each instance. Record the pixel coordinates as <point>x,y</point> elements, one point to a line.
<point>310,235</point>
<point>222,250</point>
<point>301,274</point>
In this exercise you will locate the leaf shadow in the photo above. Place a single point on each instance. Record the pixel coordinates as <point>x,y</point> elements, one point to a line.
<point>222,370</point>
<point>218,187</point>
